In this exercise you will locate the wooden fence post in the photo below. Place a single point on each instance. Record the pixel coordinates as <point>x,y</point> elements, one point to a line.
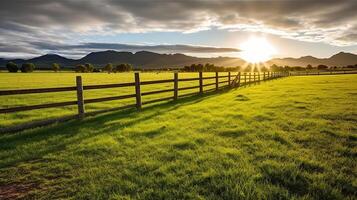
<point>137,91</point>
<point>239,79</point>
<point>216,80</point>
<point>245,78</point>
<point>229,78</point>
<point>200,82</point>
<point>254,77</point>
<point>263,76</point>
<point>258,76</point>
<point>250,77</point>
<point>175,85</point>
<point>80,99</point>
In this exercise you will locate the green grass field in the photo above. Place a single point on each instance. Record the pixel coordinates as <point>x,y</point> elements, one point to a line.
<point>9,81</point>
<point>290,138</point>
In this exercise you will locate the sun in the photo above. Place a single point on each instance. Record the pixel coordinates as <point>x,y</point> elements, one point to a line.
<point>257,50</point>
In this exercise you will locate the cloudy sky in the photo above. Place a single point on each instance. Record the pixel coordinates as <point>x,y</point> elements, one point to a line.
<point>197,27</point>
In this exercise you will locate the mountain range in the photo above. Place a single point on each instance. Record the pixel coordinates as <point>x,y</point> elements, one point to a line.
<point>151,60</point>
<point>339,60</point>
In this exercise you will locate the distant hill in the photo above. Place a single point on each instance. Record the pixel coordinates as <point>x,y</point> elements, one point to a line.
<point>47,60</point>
<point>141,59</point>
<point>340,59</point>
<point>150,60</point>
<point>146,59</point>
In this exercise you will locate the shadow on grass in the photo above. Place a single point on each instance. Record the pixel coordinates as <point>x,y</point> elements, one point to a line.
<point>57,136</point>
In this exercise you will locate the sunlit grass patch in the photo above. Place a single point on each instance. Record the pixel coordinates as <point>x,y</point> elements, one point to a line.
<point>295,138</point>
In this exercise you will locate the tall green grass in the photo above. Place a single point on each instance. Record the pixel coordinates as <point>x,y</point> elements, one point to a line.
<point>10,81</point>
<point>291,138</point>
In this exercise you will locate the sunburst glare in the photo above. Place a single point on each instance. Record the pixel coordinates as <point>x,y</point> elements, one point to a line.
<point>257,50</point>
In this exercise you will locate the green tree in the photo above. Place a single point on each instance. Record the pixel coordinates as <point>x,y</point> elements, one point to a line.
<point>274,68</point>
<point>123,67</point>
<point>80,68</point>
<point>108,67</point>
<point>287,68</point>
<point>56,67</point>
<point>27,67</point>
<point>187,68</point>
<point>309,67</point>
<point>12,67</point>
<point>89,67</point>
<point>322,67</point>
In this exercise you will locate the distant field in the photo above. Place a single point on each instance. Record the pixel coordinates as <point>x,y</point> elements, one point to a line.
<point>50,79</point>
<point>291,138</point>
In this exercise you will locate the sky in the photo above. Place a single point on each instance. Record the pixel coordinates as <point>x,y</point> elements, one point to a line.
<point>204,28</point>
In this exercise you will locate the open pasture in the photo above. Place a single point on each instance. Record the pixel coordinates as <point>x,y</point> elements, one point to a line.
<point>290,138</point>
<point>9,81</point>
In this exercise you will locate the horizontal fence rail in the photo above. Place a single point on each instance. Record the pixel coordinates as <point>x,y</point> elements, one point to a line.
<point>231,80</point>
<point>330,72</point>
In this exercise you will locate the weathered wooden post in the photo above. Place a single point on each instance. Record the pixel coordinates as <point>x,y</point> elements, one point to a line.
<point>175,85</point>
<point>263,76</point>
<point>254,77</point>
<point>258,76</point>
<point>216,80</point>
<point>250,77</point>
<point>137,91</point>
<point>229,78</point>
<point>80,99</point>
<point>201,82</point>
<point>239,79</point>
<point>245,78</point>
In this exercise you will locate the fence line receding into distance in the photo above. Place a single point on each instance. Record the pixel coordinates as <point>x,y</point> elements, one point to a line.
<point>238,80</point>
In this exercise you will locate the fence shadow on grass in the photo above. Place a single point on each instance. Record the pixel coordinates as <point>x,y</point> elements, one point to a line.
<point>56,137</point>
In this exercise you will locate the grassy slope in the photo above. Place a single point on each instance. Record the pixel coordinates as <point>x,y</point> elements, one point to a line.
<point>10,81</point>
<point>288,138</point>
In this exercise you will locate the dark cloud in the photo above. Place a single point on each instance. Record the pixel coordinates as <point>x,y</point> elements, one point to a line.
<point>85,47</point>
<point>349,37</point>
<point>48,21</point>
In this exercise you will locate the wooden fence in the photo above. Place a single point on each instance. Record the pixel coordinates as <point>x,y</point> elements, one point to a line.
<point>230,80</point>
<point>330,72</point>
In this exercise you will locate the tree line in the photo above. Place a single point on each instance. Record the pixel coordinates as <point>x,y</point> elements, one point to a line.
<point>208,67</point>
<point>84,68</point>
<point>254,68</point>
